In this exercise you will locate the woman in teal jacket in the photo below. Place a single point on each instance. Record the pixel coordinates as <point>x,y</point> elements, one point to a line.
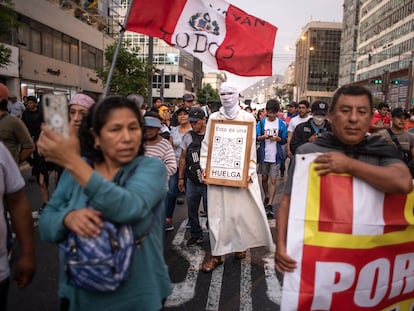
<point>112,140</point>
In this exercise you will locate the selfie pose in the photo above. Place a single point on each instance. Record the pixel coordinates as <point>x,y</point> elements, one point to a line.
<point>115,182</point>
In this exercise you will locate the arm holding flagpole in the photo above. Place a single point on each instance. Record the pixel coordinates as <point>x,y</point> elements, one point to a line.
<point>116,52</point>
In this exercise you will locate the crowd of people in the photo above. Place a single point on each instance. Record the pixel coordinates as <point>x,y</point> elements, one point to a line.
<point>165,149</point>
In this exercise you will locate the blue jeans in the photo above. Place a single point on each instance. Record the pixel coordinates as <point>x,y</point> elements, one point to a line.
<point>171,196</point>
<point>194,192</point>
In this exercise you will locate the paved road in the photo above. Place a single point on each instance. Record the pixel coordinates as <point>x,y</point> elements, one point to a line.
<point>249,284</point>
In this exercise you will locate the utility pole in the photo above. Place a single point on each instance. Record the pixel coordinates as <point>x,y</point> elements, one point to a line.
<point>150,73</point>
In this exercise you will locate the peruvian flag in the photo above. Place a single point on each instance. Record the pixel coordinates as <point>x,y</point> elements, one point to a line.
<point>218,33</point>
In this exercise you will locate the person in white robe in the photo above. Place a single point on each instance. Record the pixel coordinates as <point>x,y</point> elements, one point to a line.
<point>236,217</point>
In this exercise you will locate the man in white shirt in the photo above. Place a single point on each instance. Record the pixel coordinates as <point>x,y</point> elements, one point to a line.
<point>303,116</point>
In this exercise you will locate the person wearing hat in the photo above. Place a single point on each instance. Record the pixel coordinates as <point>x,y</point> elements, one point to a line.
<point>165,115</point>
<point>189,166</point>
<point>188,102</point>
<point>310,130</point>
<point>78,108</point>
<point>236,217</point>
<point>155,145</point>
<point>177,134</point>
<point>398,136</point>
<point>292,111</point>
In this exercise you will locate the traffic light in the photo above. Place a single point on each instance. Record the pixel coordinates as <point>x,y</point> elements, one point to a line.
<point>395,82</point>
<point>375,81</point>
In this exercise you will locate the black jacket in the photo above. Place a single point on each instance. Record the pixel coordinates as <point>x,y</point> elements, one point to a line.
<point>303,131</point>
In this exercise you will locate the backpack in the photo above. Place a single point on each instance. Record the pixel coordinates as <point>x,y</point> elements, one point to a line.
<point>192,158</point>
<point>102,263</point>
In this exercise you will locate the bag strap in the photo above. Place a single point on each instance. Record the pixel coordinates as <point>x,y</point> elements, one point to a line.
<point>405,153</point>
<point>130,173</point>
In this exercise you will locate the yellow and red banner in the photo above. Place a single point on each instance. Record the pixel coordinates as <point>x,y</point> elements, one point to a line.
<point>354,244</point>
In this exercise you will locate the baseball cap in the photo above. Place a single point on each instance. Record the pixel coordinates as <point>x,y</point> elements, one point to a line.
<point>319,108</point>
<point>188,97</point>
<point>195,114</point>
<point>397,112</point>
<point>4,91</point>
<point>292,104</point>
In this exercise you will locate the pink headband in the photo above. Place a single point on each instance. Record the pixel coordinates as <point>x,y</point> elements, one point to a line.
<point>82,100</point>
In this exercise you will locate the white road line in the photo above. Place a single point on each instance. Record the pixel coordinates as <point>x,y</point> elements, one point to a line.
<point>246,283</point>
<point>184,291</point>
<point>274,290</point>
<point>214,291</point>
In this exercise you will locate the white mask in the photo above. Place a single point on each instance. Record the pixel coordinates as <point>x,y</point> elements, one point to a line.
<point>229,97</point>
<point>412,118</point>
<point>319,120</point>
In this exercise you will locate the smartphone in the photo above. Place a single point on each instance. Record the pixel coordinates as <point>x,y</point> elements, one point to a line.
<point>55,113</point>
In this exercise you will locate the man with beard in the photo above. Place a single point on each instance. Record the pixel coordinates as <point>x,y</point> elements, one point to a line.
<point>236,217</point>
<point>313,128</point>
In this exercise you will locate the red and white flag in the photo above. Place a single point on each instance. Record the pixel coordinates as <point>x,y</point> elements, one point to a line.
<point>221,35</point>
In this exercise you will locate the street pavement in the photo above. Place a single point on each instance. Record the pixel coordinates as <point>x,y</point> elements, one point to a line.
<point>248,284</point>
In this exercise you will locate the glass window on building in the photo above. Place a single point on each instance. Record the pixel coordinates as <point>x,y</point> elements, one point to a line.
<point>47,44</point>
<point>57,45</point>
<point>36,41</point>
<point>23,36</point>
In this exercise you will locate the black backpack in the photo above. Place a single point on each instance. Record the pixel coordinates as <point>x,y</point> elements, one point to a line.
<point>192,158</point>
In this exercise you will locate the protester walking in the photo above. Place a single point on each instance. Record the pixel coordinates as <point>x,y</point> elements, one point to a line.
<point>236,217</point>
<point>91,190</point>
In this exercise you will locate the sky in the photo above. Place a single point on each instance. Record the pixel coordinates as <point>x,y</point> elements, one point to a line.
<point>290,16</point>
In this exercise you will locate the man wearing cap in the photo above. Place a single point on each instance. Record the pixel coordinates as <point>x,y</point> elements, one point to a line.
<point>313,128</point>
<point>292,111</point>
<point>189,166</point>
<point>398,136</point>
<point>236,217</point>
<point>13,133</point>
<point>155,145</point>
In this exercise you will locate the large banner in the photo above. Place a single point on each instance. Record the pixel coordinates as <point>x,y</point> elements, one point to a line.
<point>353,243</point>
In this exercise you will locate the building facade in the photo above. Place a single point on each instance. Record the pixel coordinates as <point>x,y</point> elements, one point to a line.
<point>386,49</point>
<point>56,48</point>
<point>317,61</point>
<point>182,73</point>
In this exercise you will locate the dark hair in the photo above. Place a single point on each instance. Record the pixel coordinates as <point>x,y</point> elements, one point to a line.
<point>304,102</point>
<point>352,90</point>
<point>95,120</point>
<point>3,104</point>
<point>272,105</point>
<point>382,105</point>
<point>152,114</point>
<point>31,98</point>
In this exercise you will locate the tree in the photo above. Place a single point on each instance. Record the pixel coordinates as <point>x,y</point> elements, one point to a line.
<point>207,94</point>
<point>7,20</point>
<point>130,73</point>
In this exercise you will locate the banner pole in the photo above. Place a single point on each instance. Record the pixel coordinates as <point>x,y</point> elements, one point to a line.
<point>116,52</point>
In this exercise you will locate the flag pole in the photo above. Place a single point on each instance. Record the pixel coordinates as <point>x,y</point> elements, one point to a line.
<point>116,52</point>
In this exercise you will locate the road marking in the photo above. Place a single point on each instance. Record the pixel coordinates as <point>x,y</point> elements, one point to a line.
<point>274,290</point>
<point>214,291</point>
<point>184,291</point>
<point>246,283</point>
